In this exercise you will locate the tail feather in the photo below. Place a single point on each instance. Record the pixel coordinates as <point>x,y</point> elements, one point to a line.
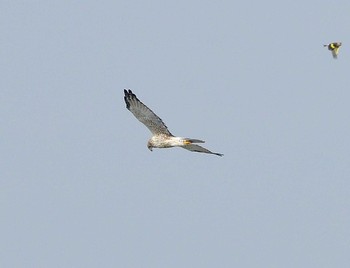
<point>194,140</point>
<point>199,149</point>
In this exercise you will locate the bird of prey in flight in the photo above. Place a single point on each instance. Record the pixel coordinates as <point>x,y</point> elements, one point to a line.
<point>162,138</point>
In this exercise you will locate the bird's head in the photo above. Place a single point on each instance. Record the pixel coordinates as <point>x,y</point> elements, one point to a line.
<point>150,146</point>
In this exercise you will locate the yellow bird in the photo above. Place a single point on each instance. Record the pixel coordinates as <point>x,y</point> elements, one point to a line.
<point>334,47</point>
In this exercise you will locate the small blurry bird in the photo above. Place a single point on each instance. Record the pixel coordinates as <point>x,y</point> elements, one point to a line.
<point>334,47</point>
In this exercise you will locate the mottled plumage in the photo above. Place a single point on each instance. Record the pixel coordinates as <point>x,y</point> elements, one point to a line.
<point>162,138</point>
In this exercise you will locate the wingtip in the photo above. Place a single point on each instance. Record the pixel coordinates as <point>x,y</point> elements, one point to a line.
<point>127,92</point>
<point>127,103</point>
<point>126,97</point>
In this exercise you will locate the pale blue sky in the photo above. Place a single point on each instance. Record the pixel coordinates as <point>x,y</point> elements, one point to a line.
<point>78,186</point>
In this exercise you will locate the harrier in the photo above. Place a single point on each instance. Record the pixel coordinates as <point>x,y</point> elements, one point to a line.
<point>162,138</point>
<point>334,47</point>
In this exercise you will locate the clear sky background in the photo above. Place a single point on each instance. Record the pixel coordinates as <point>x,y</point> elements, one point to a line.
<point>78,186</point>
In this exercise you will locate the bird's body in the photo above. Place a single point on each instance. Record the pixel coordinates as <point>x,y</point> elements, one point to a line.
<point>334,48</point>
<point>162,138</point>
<point>164,141</point>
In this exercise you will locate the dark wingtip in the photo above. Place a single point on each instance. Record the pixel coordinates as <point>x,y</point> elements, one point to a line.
<point>127,103</point>
<point>126,97</point>
<point>128,92</point>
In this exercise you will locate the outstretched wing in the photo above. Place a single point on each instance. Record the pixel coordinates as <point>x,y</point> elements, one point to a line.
<point>144,114</point>
<point>199,149</point>
<point>335,52</point>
